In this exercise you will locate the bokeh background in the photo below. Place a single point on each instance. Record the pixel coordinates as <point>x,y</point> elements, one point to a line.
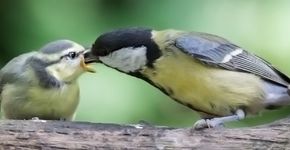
<point>262,27</point>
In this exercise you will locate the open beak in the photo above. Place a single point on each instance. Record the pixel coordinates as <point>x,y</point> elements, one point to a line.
<point>86,66</point>
<point>87,59</point>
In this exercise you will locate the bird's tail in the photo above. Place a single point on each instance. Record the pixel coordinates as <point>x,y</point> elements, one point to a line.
<point>276,95</point>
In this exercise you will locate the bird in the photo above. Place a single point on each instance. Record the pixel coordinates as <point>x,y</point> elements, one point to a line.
<point>43,84</point>
<point>218,79</point>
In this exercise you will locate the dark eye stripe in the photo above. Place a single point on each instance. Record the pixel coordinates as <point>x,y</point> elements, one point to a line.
<point>72,55</point>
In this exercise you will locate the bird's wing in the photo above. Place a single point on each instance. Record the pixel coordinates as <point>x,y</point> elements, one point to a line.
<point>214,50</point>
<point>13,71</point>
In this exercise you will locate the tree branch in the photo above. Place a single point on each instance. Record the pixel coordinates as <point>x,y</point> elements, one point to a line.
<point>84,135</point>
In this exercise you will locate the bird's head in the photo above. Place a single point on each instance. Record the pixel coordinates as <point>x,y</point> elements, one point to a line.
<point>62,59</point>
<point>127,50</point>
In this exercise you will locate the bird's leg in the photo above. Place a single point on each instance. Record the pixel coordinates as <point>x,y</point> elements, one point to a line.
<point>218,122</point>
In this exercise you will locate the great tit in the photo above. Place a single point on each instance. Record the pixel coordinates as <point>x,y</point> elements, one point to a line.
<point>43,84</point>
<point>207,73</point>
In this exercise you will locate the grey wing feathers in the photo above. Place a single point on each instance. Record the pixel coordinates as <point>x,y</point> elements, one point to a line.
<point>203,48</point>
<point>13,70</point>
<point>214,50</point>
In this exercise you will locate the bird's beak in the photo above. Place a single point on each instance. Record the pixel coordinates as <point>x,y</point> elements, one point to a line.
<point>87,59</point>
<point>86,66</point>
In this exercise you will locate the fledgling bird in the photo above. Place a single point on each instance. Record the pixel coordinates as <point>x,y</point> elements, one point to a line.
<point>207,73</point>
<point>43,84</point>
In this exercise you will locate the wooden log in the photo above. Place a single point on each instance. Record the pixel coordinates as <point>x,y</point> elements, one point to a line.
<point>19,134</point>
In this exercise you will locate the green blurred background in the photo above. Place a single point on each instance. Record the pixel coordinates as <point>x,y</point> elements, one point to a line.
<point>260,26</point>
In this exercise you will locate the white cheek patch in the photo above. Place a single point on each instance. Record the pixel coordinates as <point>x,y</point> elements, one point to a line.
<point>126,59</point>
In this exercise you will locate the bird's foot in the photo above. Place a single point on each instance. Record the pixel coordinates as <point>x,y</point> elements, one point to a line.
<point>219,121</point>
<point>208,123</point>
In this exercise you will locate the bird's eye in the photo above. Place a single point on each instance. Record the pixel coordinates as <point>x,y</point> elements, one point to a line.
<point>72,55</point>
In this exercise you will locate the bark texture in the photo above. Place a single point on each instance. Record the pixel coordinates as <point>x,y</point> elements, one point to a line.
<point>84,135</point>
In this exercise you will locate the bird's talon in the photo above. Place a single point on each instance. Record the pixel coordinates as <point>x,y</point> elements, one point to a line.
<point>200,124</point>
<point>208,123</point>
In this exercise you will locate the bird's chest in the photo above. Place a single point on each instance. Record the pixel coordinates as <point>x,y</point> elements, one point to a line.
<point>198,87</point>
<point>54,101</point>
<point>179,79</point>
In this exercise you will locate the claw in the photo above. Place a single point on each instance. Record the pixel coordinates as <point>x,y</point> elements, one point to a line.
<point>200,124</point>
<point>207,123</point>
<point>219,122</point>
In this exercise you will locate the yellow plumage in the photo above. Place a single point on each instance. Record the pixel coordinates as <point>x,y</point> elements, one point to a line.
<point>213,91</point>
<point>46,103</point>
<point>205,72</point>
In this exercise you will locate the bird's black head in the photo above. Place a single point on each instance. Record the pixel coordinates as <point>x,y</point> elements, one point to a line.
<point>115,40</point>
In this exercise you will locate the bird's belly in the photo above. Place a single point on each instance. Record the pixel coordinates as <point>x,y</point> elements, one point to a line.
<point>42,103</point>
<point>213,91</point>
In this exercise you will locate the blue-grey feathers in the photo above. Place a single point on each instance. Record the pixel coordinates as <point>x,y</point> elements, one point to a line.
<point>275,95</point>
<point>202,48</point>
<point>56,46</point>
<point>219,52</point>
<point>12,71</point>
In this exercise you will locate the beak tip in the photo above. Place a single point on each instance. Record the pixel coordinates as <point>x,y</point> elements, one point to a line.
<point>90,58</point>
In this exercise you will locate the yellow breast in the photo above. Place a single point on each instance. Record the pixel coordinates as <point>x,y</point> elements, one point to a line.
<point>204,88</point>
<point>54,103</point>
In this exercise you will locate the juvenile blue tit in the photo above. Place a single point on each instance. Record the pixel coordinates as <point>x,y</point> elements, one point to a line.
<point>43,84</point>
<point>209,74</point>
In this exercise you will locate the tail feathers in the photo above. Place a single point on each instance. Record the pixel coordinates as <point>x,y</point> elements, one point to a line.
<point>276,96</point>
<point>276,101</point>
